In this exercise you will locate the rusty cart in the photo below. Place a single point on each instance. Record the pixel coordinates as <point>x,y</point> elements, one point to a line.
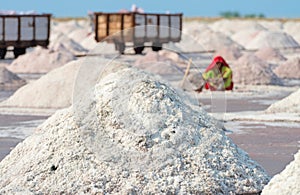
<point>23,31</point>
<point>137,29</point>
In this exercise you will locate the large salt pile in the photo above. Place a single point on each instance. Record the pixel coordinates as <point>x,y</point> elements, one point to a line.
<point>41,60</point>
<point>272,39</point>
<point>9,80</point>
<point>289,69</point>
<point>270,54</point>
<point>290,104</point>
<point>249,69</point>
<point>288,181</point>
<point>147,141</point>
<point>53,90</point>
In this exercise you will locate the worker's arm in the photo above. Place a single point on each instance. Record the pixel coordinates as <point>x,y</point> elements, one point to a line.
<point>226,72</point>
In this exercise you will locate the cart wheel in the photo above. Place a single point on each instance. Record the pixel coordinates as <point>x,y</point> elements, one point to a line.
<point>19,51</point>
<point>120,47</point>
<point>156,48</point>
<point>2,53</point>
<point>139,50</point>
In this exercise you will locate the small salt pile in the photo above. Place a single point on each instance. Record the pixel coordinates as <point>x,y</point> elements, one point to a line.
<point>289,69</point>
<point>41,60</point>
<point>9,80</point>
<point>53,90</point>
<point>270,54</point>
<point>286,182</point>
<point>290,104</point>
<point>144,138</point>
<point>249,69</point>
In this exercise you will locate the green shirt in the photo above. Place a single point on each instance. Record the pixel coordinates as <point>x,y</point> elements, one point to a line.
<point>214,73</point>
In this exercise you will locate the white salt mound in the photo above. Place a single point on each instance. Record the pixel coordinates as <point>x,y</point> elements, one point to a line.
<point>53,90</point>
<point>146,141</point>
<point>249,69</point>
<point>272,39</point>
<point>9,80</point>
<point>270,54</point>
<point>41,60</point>
<point>290,104</point>
<point>289,69</point>
<point>286,182</point>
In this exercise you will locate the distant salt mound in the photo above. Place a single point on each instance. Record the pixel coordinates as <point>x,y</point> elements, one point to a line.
<point>286,182</point>
<point>290,104</point>
<point>292,28</point>
<point>41,60</point>
<point>211,40</point>
<point>68,43</point>
<point>244,37</point>
<point>53,90</point>
<point>249,69</point>
<point>147,141</point>
<point>89,42</point>
<point>229,27</point>
<point>158,64</point>
<point>289,69</point>
<point>188,43</point>
<point>270,54</point>
<point>9,80</point>
<point>275,25</point>
<point>78,35</point>
<point>66,27</point>
<point>272,39</point>
<point>229,53</point>
<point>193,28</point>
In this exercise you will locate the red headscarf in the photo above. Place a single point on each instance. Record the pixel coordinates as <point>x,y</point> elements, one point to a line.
<point>214,62</point>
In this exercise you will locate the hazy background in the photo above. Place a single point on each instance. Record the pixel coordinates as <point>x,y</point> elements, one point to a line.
<point>209,8</point>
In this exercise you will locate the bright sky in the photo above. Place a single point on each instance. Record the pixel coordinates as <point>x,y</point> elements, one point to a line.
<point>209,8</point>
